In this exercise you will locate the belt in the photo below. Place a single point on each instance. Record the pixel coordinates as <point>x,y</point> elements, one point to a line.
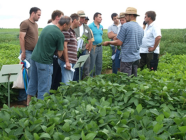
<point>98,45</point>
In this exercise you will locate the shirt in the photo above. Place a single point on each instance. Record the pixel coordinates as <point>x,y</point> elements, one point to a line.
<point>31,37</point>
<point>70,38</point>
<point>50,40</point>
<point>131,34</point>
<point>114,29</point>
<point>97,33</point>
<point>150,33</point>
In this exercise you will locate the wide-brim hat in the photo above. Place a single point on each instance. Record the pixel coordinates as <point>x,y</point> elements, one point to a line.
<point>131,11</point>
<point>81,13</point>
<point>121,15</point>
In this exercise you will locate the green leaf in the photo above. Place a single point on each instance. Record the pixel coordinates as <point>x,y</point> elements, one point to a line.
<point>36,137</point>
<point>154,111</point>
<point>134,133</point>
<point>50,130</point>
<point>59,136</point>
<point>45,135</point>
<point>66,127</point>
<point>102,111</point>
<point>83,135</point>
<point>160,118</point>
<point>139,108</point>
<point>91,136</point>
<point>75,137</point>
<point>182,129</point>
<point>157,127</point>
<point>178,121</point>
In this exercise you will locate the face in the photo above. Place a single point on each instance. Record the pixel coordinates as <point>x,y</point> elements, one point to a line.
<point>98,18</point>
<point>36,15</point>
<point>66,27</point>
<point>146,19</point>
<point>58,18</point>
<point>122,20</point>
<point>86,21</point>
<point>76,22</point>
<point>127,17</point>
<point>116,20</point>
<point>82,20</point>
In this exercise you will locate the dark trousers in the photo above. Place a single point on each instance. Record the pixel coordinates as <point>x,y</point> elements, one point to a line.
<point>114,68</point>
<point>148,59</point>
<point>56,76</point>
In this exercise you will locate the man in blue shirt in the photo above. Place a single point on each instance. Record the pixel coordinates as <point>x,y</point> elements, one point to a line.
<point>130,39</point>
<point>96,52</point>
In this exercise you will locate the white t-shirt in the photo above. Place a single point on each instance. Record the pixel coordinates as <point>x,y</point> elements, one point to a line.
<point>81,30</point>
<point>150,33</point>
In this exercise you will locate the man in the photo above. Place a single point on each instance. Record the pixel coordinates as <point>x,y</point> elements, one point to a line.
<point>118,49</point>
<point>149,50</point>
<point>112,32</point>
<point>86,20</point>
<point>96,52</point>
<point>69,58</point>
<point>50,40</point>
<point>56,76</point>
<point>129,38</point>
<point>83,29</point>
<point>28,38</point>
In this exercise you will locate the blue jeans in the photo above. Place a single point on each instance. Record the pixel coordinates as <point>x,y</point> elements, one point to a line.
<point>22,93</point>
<point>67,75</point>
<point>114,68</point>
<point>40,80</point>
<point>84,68</point>
<point>117,59</point>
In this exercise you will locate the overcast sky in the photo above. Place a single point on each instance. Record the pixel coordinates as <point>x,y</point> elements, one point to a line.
<point>170,13</point>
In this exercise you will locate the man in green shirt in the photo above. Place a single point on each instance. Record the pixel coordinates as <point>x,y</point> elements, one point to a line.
<point>50,41</point>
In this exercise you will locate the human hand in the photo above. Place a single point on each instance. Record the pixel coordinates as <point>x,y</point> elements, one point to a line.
<point>23,56</point>
<point>106,43</point>
<point>151,49</point>
<point>68,66</point>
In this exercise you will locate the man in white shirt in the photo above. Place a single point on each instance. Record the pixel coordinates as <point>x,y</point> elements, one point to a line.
<point>149,50</point>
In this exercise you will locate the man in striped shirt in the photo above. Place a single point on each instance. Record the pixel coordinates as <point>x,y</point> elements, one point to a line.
<point>68,60</point>
<point>130,39</point>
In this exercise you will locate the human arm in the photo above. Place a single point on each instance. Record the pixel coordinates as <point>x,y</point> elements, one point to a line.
<point>115,43</point>
<point>89,45</point>
<point>59,53</point>
<point>111,35</point>
<point>22,44</point>
<point>157,41</point>
<point>68,66</point>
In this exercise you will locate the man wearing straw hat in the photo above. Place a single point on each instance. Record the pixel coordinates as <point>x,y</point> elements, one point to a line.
<point>129,38</point>
<point>112,32</point>
<point>83,29</point>
<point>149,50</point>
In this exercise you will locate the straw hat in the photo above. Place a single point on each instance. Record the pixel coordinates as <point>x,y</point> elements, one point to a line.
<point>131,11</point>
<point>81,13</point>
<point>121,15</point>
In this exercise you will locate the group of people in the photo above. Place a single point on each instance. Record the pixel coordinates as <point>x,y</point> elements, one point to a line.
<point>53,54</point>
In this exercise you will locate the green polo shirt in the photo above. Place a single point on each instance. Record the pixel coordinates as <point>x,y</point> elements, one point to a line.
<point>86,32</point>
<point>50,40</point>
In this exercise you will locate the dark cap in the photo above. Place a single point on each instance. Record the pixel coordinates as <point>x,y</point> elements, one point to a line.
<point>86,18</point>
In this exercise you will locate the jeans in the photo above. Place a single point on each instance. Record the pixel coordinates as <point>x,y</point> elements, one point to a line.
<point>96,60</point>
<point>41,79</point>
<point>117,59</point>
<point>114,68</point>
<point>67,75</point>
<point>22,93</point>
<point>84,69</point>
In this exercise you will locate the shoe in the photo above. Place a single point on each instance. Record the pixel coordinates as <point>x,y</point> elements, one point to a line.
<point>22,103</point>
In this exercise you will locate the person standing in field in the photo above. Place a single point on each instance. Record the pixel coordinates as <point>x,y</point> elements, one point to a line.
<point>83,29</point>
<point>56,76</point>
<point>50,41</point>
<point>149,50</point>
<point>28,38</point>
<point>129,38</point>
<point>118,49</point>
<point>112,32</point>
<point>69,58</point>
<point>86,20</point>
<point>96,52</point>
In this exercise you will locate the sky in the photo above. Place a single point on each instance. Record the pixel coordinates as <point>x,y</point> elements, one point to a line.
<point>170,14</point>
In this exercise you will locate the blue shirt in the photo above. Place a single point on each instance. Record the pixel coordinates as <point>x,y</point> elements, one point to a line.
<point>97,33</point>
<point>131,35</point>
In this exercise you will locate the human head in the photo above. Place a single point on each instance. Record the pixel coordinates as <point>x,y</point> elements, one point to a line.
<point>86,20</point>
<point>64,23</point>
<point>114,17</point>
<point>82,16</point>
<point>97,17</point>
<point>131,14</point>
<point>150,16</point>
<point>122,20</point>
<point>35,13</point>
<point>75,20</point>
<point>56,15</point>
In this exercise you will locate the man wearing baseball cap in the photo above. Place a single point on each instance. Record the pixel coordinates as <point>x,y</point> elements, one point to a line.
<point>86,20</point>
<point>83,29</point>
<point>130,39</point>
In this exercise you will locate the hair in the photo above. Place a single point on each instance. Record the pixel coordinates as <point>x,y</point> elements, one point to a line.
<point>49,21</point>
<point>151,14</point>
<point>64,20</point>
<point>34,9</point>
<point>113,15</point>
<point>144,23</point>
<point>56,13</point>
<point>96,15</point>
<point>74,16</point>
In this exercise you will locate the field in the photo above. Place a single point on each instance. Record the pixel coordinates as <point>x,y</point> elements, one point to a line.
<point>151,106</point>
